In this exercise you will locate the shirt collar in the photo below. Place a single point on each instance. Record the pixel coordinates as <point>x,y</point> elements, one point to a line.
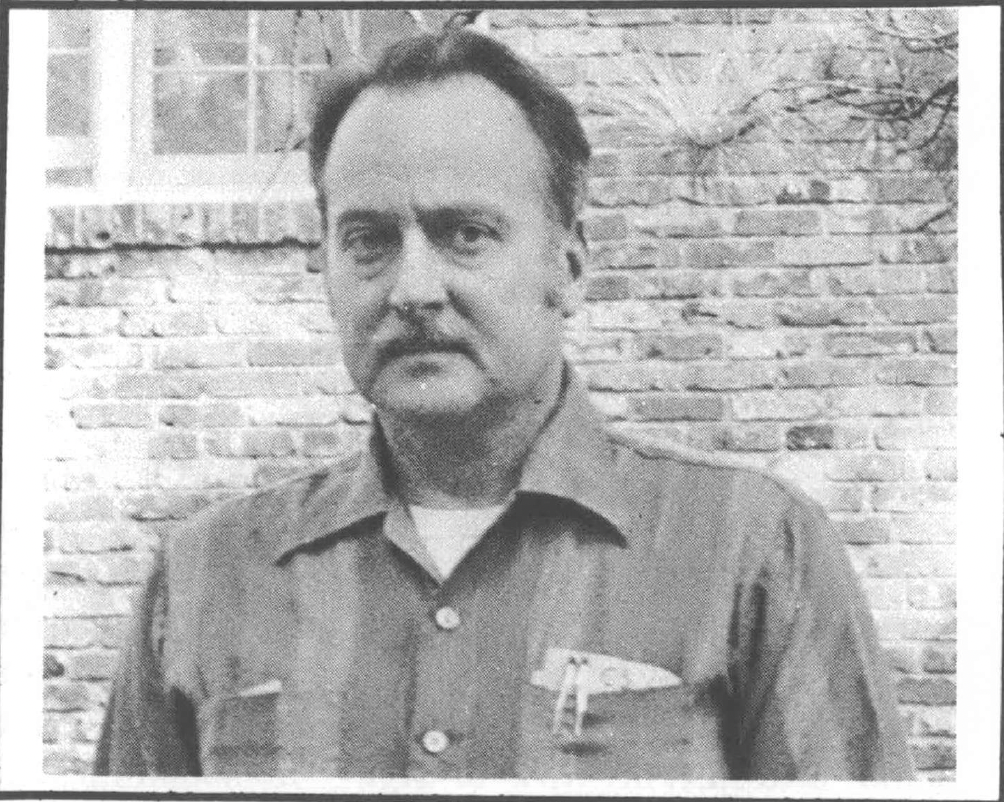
<point>572,459</point>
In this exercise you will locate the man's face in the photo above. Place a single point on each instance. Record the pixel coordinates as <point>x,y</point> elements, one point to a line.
<point>445,270</point>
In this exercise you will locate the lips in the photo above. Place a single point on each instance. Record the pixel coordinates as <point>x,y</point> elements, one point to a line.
<point>421,346</point>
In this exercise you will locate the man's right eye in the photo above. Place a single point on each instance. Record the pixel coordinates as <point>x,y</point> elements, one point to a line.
<point>367,244</point>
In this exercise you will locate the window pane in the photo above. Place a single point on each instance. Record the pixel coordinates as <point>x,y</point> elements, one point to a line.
<point>380,28</point>
<point>275,112</point>
<point>199,112</point>
<point>193,39</point>
<point>68,95</point>
<point>322,40</point>
<point>275,36</point>
<point>69,29</point>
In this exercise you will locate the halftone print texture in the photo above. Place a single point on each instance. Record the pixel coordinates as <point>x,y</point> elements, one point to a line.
<point>771,273</point>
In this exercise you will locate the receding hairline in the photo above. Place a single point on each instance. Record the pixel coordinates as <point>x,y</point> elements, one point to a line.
<point>544,166</point>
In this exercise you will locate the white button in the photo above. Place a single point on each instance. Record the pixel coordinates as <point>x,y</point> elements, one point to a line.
<point>447,618</point>
<point>435,741</point>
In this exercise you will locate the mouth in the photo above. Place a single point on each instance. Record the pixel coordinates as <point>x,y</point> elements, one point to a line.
<point>411,348</point>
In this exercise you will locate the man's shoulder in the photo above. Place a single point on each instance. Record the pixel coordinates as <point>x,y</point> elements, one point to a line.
<point>261,519</point>
<point>718,473</point>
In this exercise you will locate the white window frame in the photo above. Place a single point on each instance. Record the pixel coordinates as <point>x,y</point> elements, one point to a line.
<point>119,150</point>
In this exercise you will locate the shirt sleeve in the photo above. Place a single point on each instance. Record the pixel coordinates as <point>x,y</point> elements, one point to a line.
<point>149,728</point>
<point>814,695</point>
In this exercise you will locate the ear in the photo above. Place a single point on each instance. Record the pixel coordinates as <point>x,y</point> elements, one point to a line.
<point>574,250</point>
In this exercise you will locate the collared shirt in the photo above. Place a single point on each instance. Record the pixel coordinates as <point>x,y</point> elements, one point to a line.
<point>300,630</point>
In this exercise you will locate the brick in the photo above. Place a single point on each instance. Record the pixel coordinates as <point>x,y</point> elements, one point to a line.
<point>634,377</point>
<point>732,376</point>
<point>79,322</point>
<point>632,315</point>
<point>676,284</point>
<point>934,721</point>
<point>871,343</point>
<point>927,594</point>
<point>942,278</point>
<point>201,416</point>
<point>751,437</point>
<point>251,444</point>
<point>914,498</point>
<point>163,506</point>
<point>940,467</point>
<point>600,228</point>
<point>766,345</point>
<point>907,188</point>
<point>717,254</point>
<point>92,664</point>
<point>294,412</point>
<point>633,255</point>
<point>777,405</point>
<point>80,507</point>
<point>772,284</point>
<point>824,313</point>
<point>690,407</point>
<point>864,531</point>
<point>111,415</point>
<point>253,383</point>
<point>123,568</point>
<point>777,222</point>
<point>173,445</point>
<point>217,354</point>
<point>71,601</point>
<point>914,625</point>
<point>163,323</point>
<point>821,373</point>
<point>810,437</point>
<point>925,691</point>
<point>69,633</point>
<point>293,352</point>
<point>884,594</point>
<point>924,528</point>
<point>915,310</point>
<point>52,666</point>
<point>98,536</point>
<point>872,467</point>
<point>613,192</point>
<point>941,402</point>
<point>277,321</point>
<point>605,163</point>
<point>915,250</point>
<point>608,287</point>
<point>872,281</point>
<point>591,346</point>
<point>680,220</point>
<point>65,696</point>
<point>677,347</point>
<point>918,371</point>
<point>226,474</point>
<point>879,401</point>
<point>538,18</point>
<point>323,443</point>
<point>939,659</point>
<point>819,251</point>
<point>909,435</point>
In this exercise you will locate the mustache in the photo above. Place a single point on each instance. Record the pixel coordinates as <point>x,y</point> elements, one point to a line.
<point>422,340</point>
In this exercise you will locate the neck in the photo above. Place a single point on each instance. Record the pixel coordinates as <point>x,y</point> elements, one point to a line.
<point>474,462</point>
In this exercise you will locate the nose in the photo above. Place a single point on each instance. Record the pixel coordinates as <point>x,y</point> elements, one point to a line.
<point>419,286</point>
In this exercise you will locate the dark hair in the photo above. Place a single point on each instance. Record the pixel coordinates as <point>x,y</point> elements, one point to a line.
<point>457,51</point>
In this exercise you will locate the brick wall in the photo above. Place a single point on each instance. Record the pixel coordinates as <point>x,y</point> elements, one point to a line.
<point>774,308</point>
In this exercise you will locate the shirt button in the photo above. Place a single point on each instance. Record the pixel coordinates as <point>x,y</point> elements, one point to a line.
<point>435,741</point>
<point>447,618</point>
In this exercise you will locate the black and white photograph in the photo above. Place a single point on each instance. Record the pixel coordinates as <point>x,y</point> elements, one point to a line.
<point>547,398</point>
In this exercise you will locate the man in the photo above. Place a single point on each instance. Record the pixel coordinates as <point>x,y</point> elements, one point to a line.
<point>496,586</point>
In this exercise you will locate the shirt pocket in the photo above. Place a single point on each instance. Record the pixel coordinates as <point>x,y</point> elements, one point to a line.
<point>658,733</point>
<point>239,733</point>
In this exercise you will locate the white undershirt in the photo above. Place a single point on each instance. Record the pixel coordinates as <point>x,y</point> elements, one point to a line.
<point>449,534</point>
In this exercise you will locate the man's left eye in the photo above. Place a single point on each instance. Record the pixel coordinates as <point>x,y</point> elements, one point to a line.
<point>471,237</point>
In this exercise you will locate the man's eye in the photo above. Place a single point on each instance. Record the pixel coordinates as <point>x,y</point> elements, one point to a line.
<point>471,238</point>
<point>366,244</point>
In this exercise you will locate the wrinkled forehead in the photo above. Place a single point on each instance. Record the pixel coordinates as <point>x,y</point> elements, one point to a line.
<point>453,140</point>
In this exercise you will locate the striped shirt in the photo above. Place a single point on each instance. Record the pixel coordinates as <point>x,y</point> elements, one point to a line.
<point>300,630</point>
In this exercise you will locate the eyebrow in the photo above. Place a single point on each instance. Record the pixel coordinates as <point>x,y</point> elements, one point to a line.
<point>426,214</point>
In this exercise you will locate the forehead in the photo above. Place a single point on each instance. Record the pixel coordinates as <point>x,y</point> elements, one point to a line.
<point>455,140</point>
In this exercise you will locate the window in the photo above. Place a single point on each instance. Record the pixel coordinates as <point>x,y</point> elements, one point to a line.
<point>168,99</point>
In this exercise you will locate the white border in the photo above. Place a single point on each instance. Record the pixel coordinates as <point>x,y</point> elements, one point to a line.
<point>980,519</point>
